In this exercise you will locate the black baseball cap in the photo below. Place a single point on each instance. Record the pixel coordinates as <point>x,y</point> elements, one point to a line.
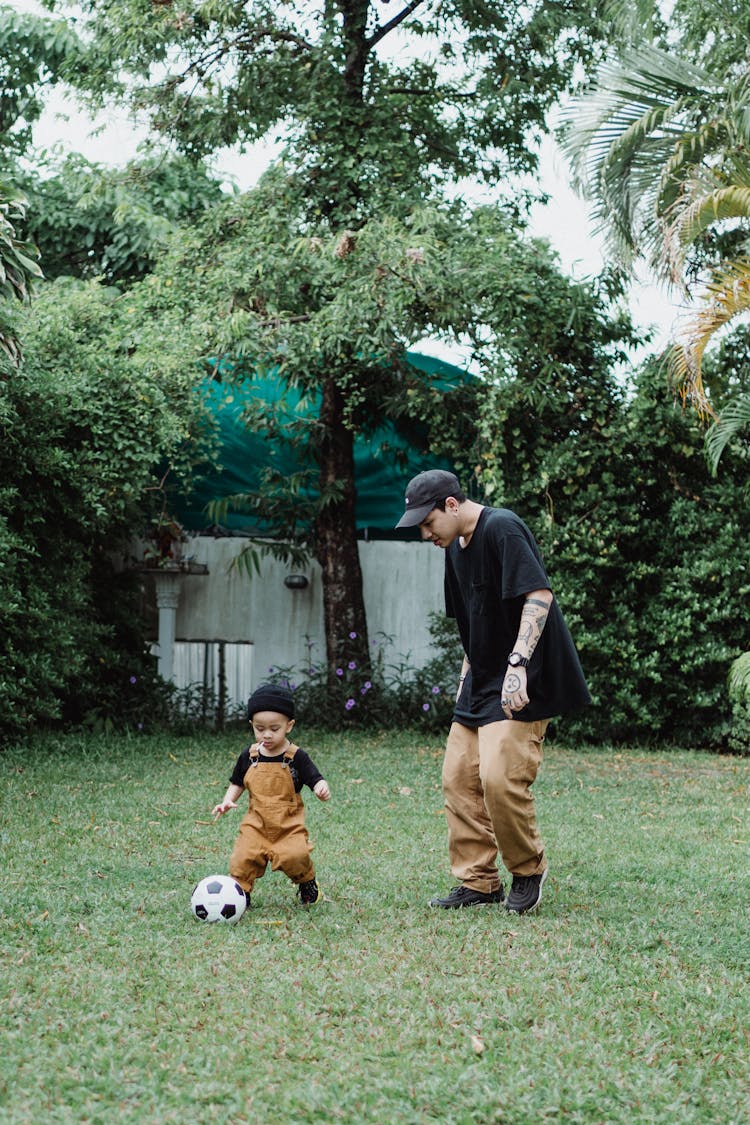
<point>424,492</point>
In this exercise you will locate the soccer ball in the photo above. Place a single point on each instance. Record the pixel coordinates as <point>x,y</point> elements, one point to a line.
<point>218,898</point>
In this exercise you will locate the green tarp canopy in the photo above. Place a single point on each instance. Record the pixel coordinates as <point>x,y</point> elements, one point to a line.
<point>380,478</point>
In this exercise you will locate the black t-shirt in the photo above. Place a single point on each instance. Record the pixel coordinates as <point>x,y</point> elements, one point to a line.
<point>486,584</point>
<point>302,768</point>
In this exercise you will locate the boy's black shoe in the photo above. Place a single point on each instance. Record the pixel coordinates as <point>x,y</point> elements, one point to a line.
<point>309,892</point>
<point>465,896</point>
<point>525,893</point>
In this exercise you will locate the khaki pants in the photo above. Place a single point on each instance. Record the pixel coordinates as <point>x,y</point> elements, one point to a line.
<point>487,778</point>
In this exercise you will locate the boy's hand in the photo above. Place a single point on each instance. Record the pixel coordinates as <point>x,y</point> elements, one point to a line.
<point>225,806</point>
<point>322,791</point>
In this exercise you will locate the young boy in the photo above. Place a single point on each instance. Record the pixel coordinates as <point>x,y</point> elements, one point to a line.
<point>273,770</point>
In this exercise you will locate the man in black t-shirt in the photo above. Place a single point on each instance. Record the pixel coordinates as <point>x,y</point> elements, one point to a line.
<point>520,669</point>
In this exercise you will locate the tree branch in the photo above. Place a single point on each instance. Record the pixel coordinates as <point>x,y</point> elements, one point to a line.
<point>383,30</point>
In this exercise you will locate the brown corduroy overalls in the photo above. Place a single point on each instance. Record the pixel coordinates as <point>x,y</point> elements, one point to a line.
<point>273,829</point>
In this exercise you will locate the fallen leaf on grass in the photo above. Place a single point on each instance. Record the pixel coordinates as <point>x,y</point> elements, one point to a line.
<point>405,791</point>
<point>477,1044</point>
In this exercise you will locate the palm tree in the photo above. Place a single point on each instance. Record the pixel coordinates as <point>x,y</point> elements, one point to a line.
<point>661,147</point>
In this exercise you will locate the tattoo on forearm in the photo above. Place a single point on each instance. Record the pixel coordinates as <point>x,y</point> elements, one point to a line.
<point>533,619</point>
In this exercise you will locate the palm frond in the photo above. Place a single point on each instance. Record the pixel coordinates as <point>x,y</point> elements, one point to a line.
<point>687,159</point>
<point>631,19</point>
<point>735,417</point>
<point>698,214</point>
<point>687,377</point>
<point>620,137</point>
<point>726,296</point>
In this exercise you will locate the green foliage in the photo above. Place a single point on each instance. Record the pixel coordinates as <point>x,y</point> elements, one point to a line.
<point>646,554</point>
<point>330,318</point>
<point>18,267</point>
<point>370,132</point>
<point>376,106</point>
<point>86,435</point>
<point>739,695</point>
<point>35,52</point>
<point>659,146</point>
<point>705,33</point>
<point>94,222</point>
<point>294,304</point>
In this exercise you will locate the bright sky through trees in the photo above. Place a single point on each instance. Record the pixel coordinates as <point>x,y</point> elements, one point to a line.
<point>564,221</point>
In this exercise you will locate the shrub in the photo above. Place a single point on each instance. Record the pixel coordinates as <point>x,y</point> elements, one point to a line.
<point>739,695</point>
<point>646,552</point>
<point>84,436</point>
<point>387,694</point>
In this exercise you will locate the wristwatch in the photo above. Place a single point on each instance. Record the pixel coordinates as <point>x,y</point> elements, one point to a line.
<point>515,660</point>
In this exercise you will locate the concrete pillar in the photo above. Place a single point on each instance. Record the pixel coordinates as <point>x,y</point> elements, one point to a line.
<point>167,599</point>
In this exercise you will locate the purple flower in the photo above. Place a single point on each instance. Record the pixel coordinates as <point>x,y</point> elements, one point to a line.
<point>140,726</point>
<point>352,636</point>
<point>368,685</point>
<point>349,704</point>
<point>365,688</point>
<point>425,706</point>
<point>352,665</point>
<point>134,679</point>
<point>436,691</point>
<point>339,671</point>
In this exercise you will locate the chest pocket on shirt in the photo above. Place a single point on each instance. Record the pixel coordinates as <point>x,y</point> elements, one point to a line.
<point>484,599</point>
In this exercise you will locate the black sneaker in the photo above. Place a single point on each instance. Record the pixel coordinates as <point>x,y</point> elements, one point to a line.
<point>525,893</point>
<point>466,896</point>
<point>309,892</point>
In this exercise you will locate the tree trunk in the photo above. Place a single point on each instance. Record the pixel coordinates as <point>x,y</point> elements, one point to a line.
<point>336,546</point>
<point>336,526</point>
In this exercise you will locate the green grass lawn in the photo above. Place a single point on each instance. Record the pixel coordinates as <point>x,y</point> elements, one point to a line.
<point>624,999</point>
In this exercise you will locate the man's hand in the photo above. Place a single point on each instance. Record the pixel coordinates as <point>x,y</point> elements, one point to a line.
<point>514,695</point>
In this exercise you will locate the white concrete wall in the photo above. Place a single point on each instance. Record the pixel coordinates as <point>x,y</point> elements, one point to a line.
<point>403,583</point>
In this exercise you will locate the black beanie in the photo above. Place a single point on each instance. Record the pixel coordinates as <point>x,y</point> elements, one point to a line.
<point>271,697</point>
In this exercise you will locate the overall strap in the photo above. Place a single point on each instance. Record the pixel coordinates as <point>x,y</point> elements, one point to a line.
<point>289,755</point>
